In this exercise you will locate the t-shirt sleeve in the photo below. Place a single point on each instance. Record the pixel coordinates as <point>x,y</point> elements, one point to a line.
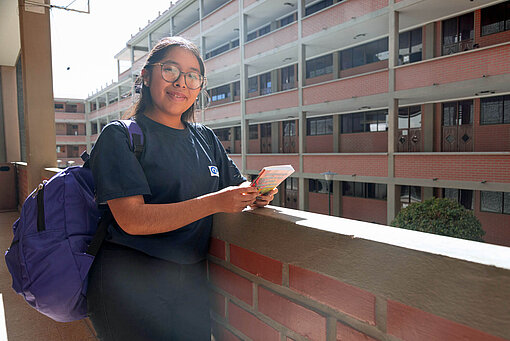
<point>229,173</point>
<point>116,170</point>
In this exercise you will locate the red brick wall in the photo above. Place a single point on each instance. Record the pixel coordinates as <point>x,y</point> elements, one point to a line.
<point>452,68</point>
<point>365,85</point>
<point>491,168</point>
<point>376,142</point>
<point>361,165</point>
<point>257,162</point>
<point>318,202</point>
<point>383,64</point>
<point>220,14</point>
<point>370,210</point>
<point>281,100</point>
<point>489,138</point>
<point>60,128</point>
<point>340,13</point>
<point>254,146</point>
<point>272,40</point>
<point>223,111</point>
<point>491,39</point>
<point>223,60</point>
<point>319,144</point>
<point>496,226</point>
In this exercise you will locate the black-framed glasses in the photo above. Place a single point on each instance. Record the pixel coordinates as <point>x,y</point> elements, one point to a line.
<point>171,73</point>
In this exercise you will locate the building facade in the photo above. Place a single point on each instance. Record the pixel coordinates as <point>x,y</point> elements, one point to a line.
<point>70,129</point>
<point>404,100</point>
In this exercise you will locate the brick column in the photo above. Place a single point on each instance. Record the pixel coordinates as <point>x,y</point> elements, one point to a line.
<point>10,113</point>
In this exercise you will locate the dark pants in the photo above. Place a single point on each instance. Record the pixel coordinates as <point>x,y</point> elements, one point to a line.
<point>133,296</point>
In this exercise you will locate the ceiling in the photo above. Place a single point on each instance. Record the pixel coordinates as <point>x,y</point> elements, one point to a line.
<point>9,32</point>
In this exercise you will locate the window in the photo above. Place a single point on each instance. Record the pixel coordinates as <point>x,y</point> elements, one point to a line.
<point>220,93</point>
<point>253,84</point>
<point>237,89</point>
<point>60,149</point>
<point>458,34</point>
<point>462,196</point>
<point>495,110</point>
<point>234,43</point>
<point>292,184</point>
<point>251,36</point>
<point>254,132</point>
<point>319,126</point>
<point>287,77</point>
<point>318,6</point>
<point>371,121</point>
<point>496,18</point>
<point>409,195</point>
<point>217,51</point>
<point>319,66</point>
<point>264,30</point>
<point>265,83</point>
<point>59,106</point>
<point>289,128</point>
<point>410,46</point>
<point>237,133</point>
<point>364,54</point>
<point>71,108</point>
<point>287,20</point>
<point>364,190</point>
<point>223,134</point>
<point>409,117</point>
<point>319,186</point>
<point>495,202</point>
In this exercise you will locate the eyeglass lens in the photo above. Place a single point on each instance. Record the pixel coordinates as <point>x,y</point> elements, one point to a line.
<point>171,73</point>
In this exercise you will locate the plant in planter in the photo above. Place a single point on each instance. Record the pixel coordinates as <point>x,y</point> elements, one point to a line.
<point>440,216</point>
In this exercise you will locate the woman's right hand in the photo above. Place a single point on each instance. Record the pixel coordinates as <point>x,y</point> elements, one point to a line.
<point>235,198</point>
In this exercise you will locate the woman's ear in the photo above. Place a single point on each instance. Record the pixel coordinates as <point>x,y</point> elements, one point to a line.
<point>146,77</point>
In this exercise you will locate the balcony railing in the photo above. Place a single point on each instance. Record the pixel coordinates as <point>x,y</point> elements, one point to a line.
<point>278,273</point>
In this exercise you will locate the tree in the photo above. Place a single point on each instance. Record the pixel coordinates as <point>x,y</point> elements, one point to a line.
<point>440,216</point>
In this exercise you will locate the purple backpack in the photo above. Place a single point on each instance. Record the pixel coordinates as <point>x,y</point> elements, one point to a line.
<point>56,238</point>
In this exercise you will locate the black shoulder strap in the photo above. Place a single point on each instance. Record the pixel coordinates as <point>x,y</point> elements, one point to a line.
<point>136,137</point>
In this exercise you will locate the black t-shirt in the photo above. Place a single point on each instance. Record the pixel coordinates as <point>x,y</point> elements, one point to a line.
<point>176,165</point>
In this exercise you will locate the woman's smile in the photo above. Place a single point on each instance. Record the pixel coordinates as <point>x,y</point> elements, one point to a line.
<point>177,96</point>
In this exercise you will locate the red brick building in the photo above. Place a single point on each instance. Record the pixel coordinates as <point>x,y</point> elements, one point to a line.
<point>403,100</point>
<point>70,131</point>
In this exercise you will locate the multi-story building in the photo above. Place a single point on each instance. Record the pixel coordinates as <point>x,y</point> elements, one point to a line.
<point>70,129</point>
<point>403,99</point>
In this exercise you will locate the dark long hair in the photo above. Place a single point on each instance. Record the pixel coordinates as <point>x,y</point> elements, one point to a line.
<point>157,54</point>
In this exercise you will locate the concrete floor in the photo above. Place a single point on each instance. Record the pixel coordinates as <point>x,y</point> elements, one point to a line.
<point>19,321</point>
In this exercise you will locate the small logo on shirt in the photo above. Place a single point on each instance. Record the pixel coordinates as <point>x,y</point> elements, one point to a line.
<point>214,171</point>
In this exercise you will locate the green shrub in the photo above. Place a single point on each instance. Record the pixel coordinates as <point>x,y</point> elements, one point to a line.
<point>440,216</point>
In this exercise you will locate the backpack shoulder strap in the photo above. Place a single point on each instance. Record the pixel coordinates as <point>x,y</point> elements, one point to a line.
<point>136,136</point>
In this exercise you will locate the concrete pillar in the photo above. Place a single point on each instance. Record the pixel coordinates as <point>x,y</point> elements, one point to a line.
<point>337,198</point>
<point>132,54</point>
<point>393,201</point>
<point>274,81</point>
<point>39,111</point>
<point>304,189</point>
<point>118,67</point>
<point>97,103</point>
<point>243,86</point>
<point>301,9</point>
<point>427,193</point>
<point>336,133</point>
<point>88,126</point>
<point>171,23</point>
<point>303,195</point>
<point>10,113</point>
<point>118,94</point>
<point>429,41</point>
<point>107,99</point>
<point>149,41</point>
<point>275,137</point>
<point>336,64</point>
<point>427,120</point>
<point>232,140</point>
<point>202,47</point>
<point>302,67</point>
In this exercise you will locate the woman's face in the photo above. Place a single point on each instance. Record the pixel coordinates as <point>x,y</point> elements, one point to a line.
<point>172,99</point>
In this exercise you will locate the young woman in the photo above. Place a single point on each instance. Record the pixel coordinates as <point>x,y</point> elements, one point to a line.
<point>149,279</point>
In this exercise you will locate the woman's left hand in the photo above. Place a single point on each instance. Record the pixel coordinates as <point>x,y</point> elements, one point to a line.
<point>263,200</point>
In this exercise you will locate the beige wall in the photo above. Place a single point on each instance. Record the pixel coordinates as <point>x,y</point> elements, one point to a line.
<point>37,93</point>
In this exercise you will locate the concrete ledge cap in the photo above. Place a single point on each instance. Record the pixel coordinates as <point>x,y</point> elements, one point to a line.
<point>471,251</point>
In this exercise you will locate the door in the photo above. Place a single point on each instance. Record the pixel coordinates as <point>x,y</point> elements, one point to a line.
<point>457,126</point>
<point>291,193</point>
<point>409,129</point>
<point>289,137</point>
<point>265,138</point>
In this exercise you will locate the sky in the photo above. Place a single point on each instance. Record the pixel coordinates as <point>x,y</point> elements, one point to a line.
<point>84,45</point>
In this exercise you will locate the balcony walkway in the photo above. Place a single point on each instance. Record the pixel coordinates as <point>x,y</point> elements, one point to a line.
<point>18,321</point>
